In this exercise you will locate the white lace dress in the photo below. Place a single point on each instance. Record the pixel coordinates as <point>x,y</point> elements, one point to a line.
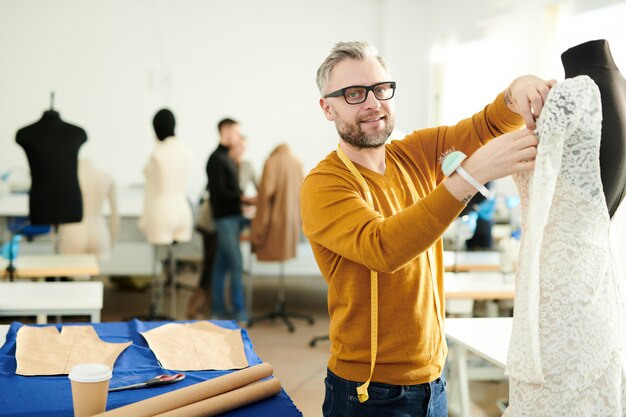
<point>567,346</point>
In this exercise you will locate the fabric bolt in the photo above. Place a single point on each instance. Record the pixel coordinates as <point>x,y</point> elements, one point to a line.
<point>567,345</point>
<point>51,396</point>
<point>275,230</point>
<point>349,239</point>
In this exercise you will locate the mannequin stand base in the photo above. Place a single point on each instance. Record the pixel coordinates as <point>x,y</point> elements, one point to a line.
<point>284,315</point>
<point>10,271</point>
<point>316,339</point>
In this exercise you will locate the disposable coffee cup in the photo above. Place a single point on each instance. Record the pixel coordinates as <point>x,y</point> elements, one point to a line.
<point>90,386</point>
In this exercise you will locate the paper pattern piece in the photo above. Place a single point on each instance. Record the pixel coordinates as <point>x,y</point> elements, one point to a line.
<point>197,346</point>
<point>46,351</point>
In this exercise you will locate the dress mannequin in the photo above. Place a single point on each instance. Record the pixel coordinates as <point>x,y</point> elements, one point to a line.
<point>51,146</point>
<point>594,59</point>
<point>276,225</point>
<point>167,216</point>
<point>92,235</point>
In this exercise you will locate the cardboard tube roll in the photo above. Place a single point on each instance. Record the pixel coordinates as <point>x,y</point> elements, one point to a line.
<point>229,401</point>
<point>194,393</point>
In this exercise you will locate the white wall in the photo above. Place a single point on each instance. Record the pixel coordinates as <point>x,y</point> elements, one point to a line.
<point>114,63</point>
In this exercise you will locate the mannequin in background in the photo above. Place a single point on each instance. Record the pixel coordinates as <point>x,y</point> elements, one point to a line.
<point>594,59</point>
<point>51,146</point>
<point>166,214</point>
<point>276,225</point>
<point>92,235</point>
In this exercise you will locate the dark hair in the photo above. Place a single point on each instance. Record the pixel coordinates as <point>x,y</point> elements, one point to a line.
<point>225,122</point>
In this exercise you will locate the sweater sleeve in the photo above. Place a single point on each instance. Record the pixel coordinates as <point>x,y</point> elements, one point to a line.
<point>336,216</point>
<point>429,145</point>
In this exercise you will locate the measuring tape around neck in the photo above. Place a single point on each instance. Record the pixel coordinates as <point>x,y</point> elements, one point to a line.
<point>362,389</point>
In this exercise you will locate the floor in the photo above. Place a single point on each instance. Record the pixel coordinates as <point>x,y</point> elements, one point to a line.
<point>300,367</point>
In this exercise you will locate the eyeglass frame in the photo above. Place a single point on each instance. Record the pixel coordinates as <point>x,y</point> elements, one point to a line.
<point>342,92</point>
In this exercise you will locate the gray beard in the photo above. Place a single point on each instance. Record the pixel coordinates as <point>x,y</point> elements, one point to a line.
<point>353,135</point>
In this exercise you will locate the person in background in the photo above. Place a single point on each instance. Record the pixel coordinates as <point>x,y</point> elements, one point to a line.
<point>226,202</point>
<point>244,167</point>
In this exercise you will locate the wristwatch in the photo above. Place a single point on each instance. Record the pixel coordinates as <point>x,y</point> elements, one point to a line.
<point>452,163</point>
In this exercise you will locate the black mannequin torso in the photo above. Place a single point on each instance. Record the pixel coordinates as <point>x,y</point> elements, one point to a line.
<point>51,146</point>
<point>594,59</point>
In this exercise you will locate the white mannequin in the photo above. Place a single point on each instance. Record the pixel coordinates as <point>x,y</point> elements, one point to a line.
<point>91,235</point>
<point>167,214</point>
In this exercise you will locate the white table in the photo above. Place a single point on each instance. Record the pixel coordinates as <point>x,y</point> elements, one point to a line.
<point>472,261</point>
<point>463,288</point>
<point>486,337</point>
<point>479,285</point>
<point>131,254</point>
<point>129,200</point>
<point>41,266</point>
<point>42,299</point>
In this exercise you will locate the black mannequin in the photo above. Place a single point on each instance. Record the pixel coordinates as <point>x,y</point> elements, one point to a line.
<point>594,59</point>
<point>51,146</point>
<point>164,124</point>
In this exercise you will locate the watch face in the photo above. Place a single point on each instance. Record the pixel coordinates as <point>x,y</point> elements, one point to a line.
<point>452,161</point>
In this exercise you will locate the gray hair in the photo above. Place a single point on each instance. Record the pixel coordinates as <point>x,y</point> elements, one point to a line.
<point>345,50</point>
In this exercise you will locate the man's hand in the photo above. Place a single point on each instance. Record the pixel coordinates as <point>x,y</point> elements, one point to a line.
<point>507,154</point>
<point>526,95</point>
<point>504,155</point>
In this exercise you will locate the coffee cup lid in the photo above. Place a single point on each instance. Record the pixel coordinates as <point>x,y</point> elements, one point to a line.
<point>90,372</point>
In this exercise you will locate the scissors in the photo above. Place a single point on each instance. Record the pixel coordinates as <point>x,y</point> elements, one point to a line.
<point>157,380</point>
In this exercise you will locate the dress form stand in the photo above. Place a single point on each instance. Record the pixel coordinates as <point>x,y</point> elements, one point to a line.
<point>55,239</point>
<point>171,278</point>
<point>279,307</point>
<point>157,286</point>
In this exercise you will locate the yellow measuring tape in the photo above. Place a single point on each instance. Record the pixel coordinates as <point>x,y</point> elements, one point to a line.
<point>362,389</point>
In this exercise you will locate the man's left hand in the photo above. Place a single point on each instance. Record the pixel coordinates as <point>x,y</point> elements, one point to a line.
<point>526,96</point>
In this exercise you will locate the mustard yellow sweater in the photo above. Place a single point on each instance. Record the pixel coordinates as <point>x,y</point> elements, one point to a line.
<point>349,239</point>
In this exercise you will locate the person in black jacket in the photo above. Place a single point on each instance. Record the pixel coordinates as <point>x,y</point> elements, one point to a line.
<point>226,200</point>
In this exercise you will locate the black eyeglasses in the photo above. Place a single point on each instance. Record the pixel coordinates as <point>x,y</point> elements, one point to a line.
<point>356,94</point>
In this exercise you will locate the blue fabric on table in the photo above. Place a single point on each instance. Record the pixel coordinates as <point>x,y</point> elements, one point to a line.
<point>51,396</point>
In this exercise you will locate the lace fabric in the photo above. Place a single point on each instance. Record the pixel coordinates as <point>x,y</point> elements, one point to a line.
<point>568,339</point>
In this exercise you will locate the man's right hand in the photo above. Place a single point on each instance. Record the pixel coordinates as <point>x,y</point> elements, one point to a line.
<point>507,154</point>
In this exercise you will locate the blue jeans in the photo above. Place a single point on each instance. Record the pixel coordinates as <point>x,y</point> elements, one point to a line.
<point>423,400</point>
<point>228,260</point>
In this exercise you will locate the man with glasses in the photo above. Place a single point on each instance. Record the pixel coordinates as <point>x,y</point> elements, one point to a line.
<point>374,214</point>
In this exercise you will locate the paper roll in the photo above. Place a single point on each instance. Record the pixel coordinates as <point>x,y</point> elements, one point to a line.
<point>194,393</point>
<point>228,401</point>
